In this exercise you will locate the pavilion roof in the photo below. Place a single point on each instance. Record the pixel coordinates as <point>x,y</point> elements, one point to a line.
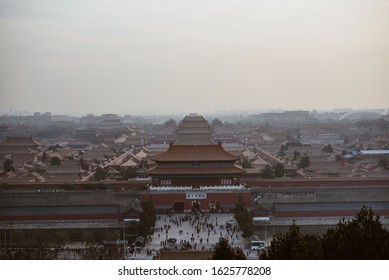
<point>7,150</point>
<point>19,141</point>
<point>195,153</point>
<point>214,170</point>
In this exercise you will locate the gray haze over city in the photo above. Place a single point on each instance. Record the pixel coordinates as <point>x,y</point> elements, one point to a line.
<point>194,130</point>
<point>147,57</point>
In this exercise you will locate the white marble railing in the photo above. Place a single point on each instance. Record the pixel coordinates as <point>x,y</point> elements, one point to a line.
<point>220,188</point>
<point>170,188</point>
<point>202,188</point>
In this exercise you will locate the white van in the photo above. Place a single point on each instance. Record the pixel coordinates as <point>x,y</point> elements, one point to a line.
<point>257,245</point>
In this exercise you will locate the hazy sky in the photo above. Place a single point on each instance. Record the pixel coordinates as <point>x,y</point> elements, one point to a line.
<point>135,56</point>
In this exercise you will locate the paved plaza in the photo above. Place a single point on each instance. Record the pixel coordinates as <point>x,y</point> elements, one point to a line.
<point>191,232</point>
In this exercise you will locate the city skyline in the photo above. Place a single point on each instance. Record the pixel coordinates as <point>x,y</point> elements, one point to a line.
<point>148,57</point>
<point>209,114</point>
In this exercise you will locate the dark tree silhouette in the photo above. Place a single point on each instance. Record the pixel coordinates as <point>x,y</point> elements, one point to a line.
<point>362,238</point>
<point>84,165</point>
<point>328,149</point>
<point>147,219</point>
<point>383,162</point>
<point>224,251</point>
<point>304,162</point>
<point>293,245</point>
<point>100,174</point>
<point>296,155</point>
<point>282,153</point>
<point>130,172</point>
<point>267,173</point>
<point>55,161</point>
<point>8,165</point>
<point>244,219</point>
<point>279,170</point>
<point>246,163</point>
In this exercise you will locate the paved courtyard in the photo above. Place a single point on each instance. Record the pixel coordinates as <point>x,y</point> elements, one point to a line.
<point>192,232</point>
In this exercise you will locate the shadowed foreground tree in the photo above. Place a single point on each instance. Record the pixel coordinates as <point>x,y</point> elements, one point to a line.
<point>293,245</point>
<point>106,252</point>
<point>224,251</point>
<point>147,219</point>
<point>244,219</point>
<point>362,238</point>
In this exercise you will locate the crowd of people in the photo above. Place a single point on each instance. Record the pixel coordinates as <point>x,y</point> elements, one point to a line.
<point>194,231</point>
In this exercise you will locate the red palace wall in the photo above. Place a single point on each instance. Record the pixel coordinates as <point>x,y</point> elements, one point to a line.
<point>346,213</point>
<point>223,200</point>
<point>62,217</point>
<point>66,217</point>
